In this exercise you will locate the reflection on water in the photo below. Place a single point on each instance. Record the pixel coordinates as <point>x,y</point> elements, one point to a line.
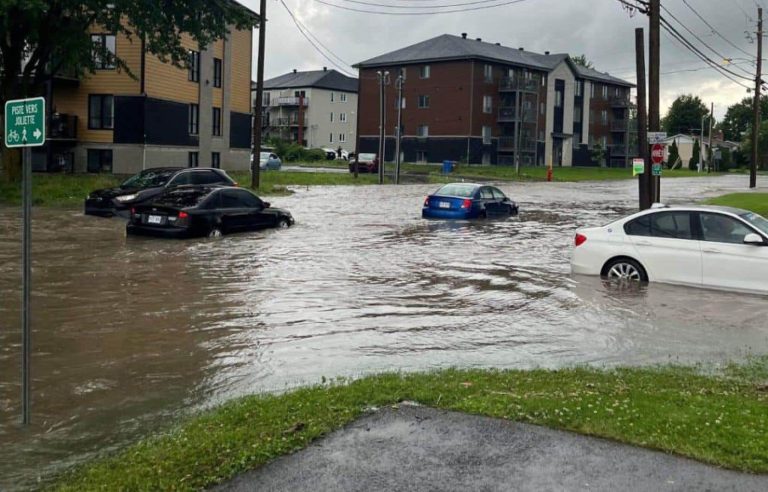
<point>129,333</point>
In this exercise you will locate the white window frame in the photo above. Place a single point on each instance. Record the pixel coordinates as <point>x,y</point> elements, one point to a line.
<point>423,131</point>
<point>330,138</point>
<point>342,137</point>
<point>487,135</point>
<point>605,91</point>
<point>604,117</point>
<point>331,116</point>
<point>487,104</point>
<point>333,97</point>
<point>342,117</point>
<point>425,72</point>
<point>421,156</point>
<point>426,100</point>
<point>343,97</point>
<point>488,72</point>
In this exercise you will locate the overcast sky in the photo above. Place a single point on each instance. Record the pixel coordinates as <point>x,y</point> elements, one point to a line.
<point>601,29</point>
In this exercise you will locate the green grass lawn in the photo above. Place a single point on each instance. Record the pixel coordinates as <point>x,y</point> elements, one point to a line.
<point>57,190</point>
<point>719,418</point>
<point>756,202</point>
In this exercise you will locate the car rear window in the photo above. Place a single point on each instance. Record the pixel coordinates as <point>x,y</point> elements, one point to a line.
<point>674,225</point>
<point>207,177</point>
<point>183,198</point>
<point>462,190</point>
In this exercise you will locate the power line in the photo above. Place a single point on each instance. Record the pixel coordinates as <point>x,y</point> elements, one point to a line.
<point>298,26</point>
<point>379,12</point>
<point>714,31</point>
<point>723,57</point>
<point>386,6</point>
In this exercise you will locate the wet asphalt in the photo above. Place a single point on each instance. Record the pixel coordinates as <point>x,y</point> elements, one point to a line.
<point>420,448</point>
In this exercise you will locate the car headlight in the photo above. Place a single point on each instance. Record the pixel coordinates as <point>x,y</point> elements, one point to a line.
<point>126,198</point>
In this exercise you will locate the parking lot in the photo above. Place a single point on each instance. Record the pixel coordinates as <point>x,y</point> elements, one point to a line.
<point>137,331</point>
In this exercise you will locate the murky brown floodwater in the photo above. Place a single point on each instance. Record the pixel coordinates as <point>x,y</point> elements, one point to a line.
<point>129,333</point>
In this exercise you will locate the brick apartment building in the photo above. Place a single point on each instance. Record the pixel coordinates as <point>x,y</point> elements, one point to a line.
<point>111,122</point>
<point>315,108</point>
<point>465,99</point>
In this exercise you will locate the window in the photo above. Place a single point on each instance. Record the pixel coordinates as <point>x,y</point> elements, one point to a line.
<point>579,89</point>
<point>194,119</point>
<point>99,160</point>
<point>424,72</point>
<point>342,137</point>
<point>423,131</point>
<point>423,102</point>
<point>103,51</point>
<point>343,97</point>
<point>239,199</point>
<point>542,109</point>
<point>216,122</point>
<point>577,114</point>
<point>487,104</point>
<point>488,73</point>
<point>605,91</point>
<point>193,160</point>
<point>670,225</point>
<point>486,135</point>
<point>265,98</point>
<point>604,117</point>
<point>342,117</point>
<point>543,80</point>
<point>591,90</point>
<point>421,157</point>
<point>723,229</point>
<point>497,194</point>
<point>205,177</point>
<point>604,142</point>
<point>486,159</point>
<point>333,97</point>
<point>194,66</point>
<point>575,143</point>
<point>215,160</point>
<point>558,99</point>
<point>100,112</point>
<point>331,117</point>
<point>217,72</point>
<point>330,137</point>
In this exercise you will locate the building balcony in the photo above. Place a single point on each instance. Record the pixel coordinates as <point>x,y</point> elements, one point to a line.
<point>284,122</point>
<point>617,150</point>
<point>624,126</point>
<point>510,115</point>
<point>291,101</point>
<point>519,84</point>
<point>620,102</point>
<point>62,127</point>
<point>507,144</point>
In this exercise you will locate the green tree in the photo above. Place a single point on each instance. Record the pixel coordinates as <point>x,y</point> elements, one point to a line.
<point>39,38</point>
<point>674,155</point>
<point>762,147</point>
<point>693,164</point>
<point>685,115</point>
<point>738,118</point>
<point>582,60</point>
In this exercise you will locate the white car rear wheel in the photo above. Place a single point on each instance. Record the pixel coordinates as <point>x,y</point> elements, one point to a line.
<point>625,269</point>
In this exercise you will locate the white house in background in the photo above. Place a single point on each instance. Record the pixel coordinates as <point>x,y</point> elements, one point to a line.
<point>684,147</point>
<point>317,109</point>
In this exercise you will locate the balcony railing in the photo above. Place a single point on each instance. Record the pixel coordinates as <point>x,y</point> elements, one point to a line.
<point>62,127</point>
<point>284,122</point>
<point>292,101</point>
<point>617,149</point>
<point>510,114</point>
<point>508,144</point>
<point>620,102</point>
<point>519,84</point>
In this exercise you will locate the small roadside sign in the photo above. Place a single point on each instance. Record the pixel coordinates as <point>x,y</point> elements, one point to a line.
<point>656,137</point>
<point>656,169</point>
<point>25,122</point>
<point>657,154</point>
<point>638,166</point>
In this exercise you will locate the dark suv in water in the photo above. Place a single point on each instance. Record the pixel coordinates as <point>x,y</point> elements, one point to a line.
<point>149,184</point>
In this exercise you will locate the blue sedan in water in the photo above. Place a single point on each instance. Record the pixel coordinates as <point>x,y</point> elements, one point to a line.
<point>468,201</point>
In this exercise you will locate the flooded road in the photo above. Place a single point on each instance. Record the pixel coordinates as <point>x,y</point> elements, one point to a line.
<point>130,333</point>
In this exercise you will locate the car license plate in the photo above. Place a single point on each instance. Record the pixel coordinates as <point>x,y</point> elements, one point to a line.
<point>444,205</point>
<point>154,219</point>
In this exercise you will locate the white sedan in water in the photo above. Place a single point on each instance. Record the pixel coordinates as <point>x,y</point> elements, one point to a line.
<point>716,247</point>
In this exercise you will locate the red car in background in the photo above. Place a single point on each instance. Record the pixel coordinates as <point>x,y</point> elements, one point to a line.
<point>366,163</point>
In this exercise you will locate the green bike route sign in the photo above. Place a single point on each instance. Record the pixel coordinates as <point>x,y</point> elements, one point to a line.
<point>25,122</point>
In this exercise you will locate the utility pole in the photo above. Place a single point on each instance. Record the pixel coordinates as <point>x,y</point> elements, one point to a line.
<point>383,78</point>
<point>711,152</point>
<point>654,62</point>
<point>259,94</point>
<point>701,146</point>
<point>399,126</point>
<point>642,121</point>
<point>756,108</point>
<point>518,125</point>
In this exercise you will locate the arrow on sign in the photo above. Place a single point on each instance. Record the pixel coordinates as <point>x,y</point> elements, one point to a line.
<point>37,134</point>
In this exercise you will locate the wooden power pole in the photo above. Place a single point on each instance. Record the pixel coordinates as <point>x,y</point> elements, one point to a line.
<point>257,103</point>
<point>654,63</point>
<point>756,105</point>
<point>642,121</point>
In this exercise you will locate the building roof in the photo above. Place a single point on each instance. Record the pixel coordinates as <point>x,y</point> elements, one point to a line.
<point>448,47</point>
<point>321,79</point>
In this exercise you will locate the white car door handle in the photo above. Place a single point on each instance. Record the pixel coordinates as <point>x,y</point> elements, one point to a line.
<point>711,250</point>
<point>644,243</point>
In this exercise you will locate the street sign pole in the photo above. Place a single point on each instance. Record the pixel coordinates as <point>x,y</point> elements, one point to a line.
<point>26,257</point>
<point>25,128</point>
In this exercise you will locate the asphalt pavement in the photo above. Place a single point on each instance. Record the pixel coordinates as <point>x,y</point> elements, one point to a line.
<point>419,448</point>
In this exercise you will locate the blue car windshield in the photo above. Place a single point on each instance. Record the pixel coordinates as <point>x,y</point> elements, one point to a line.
<point>757,221</point>
<point>148,179</point>
<point>461,190</point>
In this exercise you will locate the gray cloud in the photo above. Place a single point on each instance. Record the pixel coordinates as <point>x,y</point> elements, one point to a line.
<point>600,29</point>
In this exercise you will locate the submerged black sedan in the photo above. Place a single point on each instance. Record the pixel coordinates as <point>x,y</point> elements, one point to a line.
<point>198,211</point>
<point>147,185</point>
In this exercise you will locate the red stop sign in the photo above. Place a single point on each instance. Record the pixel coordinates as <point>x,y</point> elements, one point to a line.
<point>657,153</point>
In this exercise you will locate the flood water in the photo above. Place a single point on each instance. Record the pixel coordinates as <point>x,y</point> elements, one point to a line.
<point>130,333</point>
